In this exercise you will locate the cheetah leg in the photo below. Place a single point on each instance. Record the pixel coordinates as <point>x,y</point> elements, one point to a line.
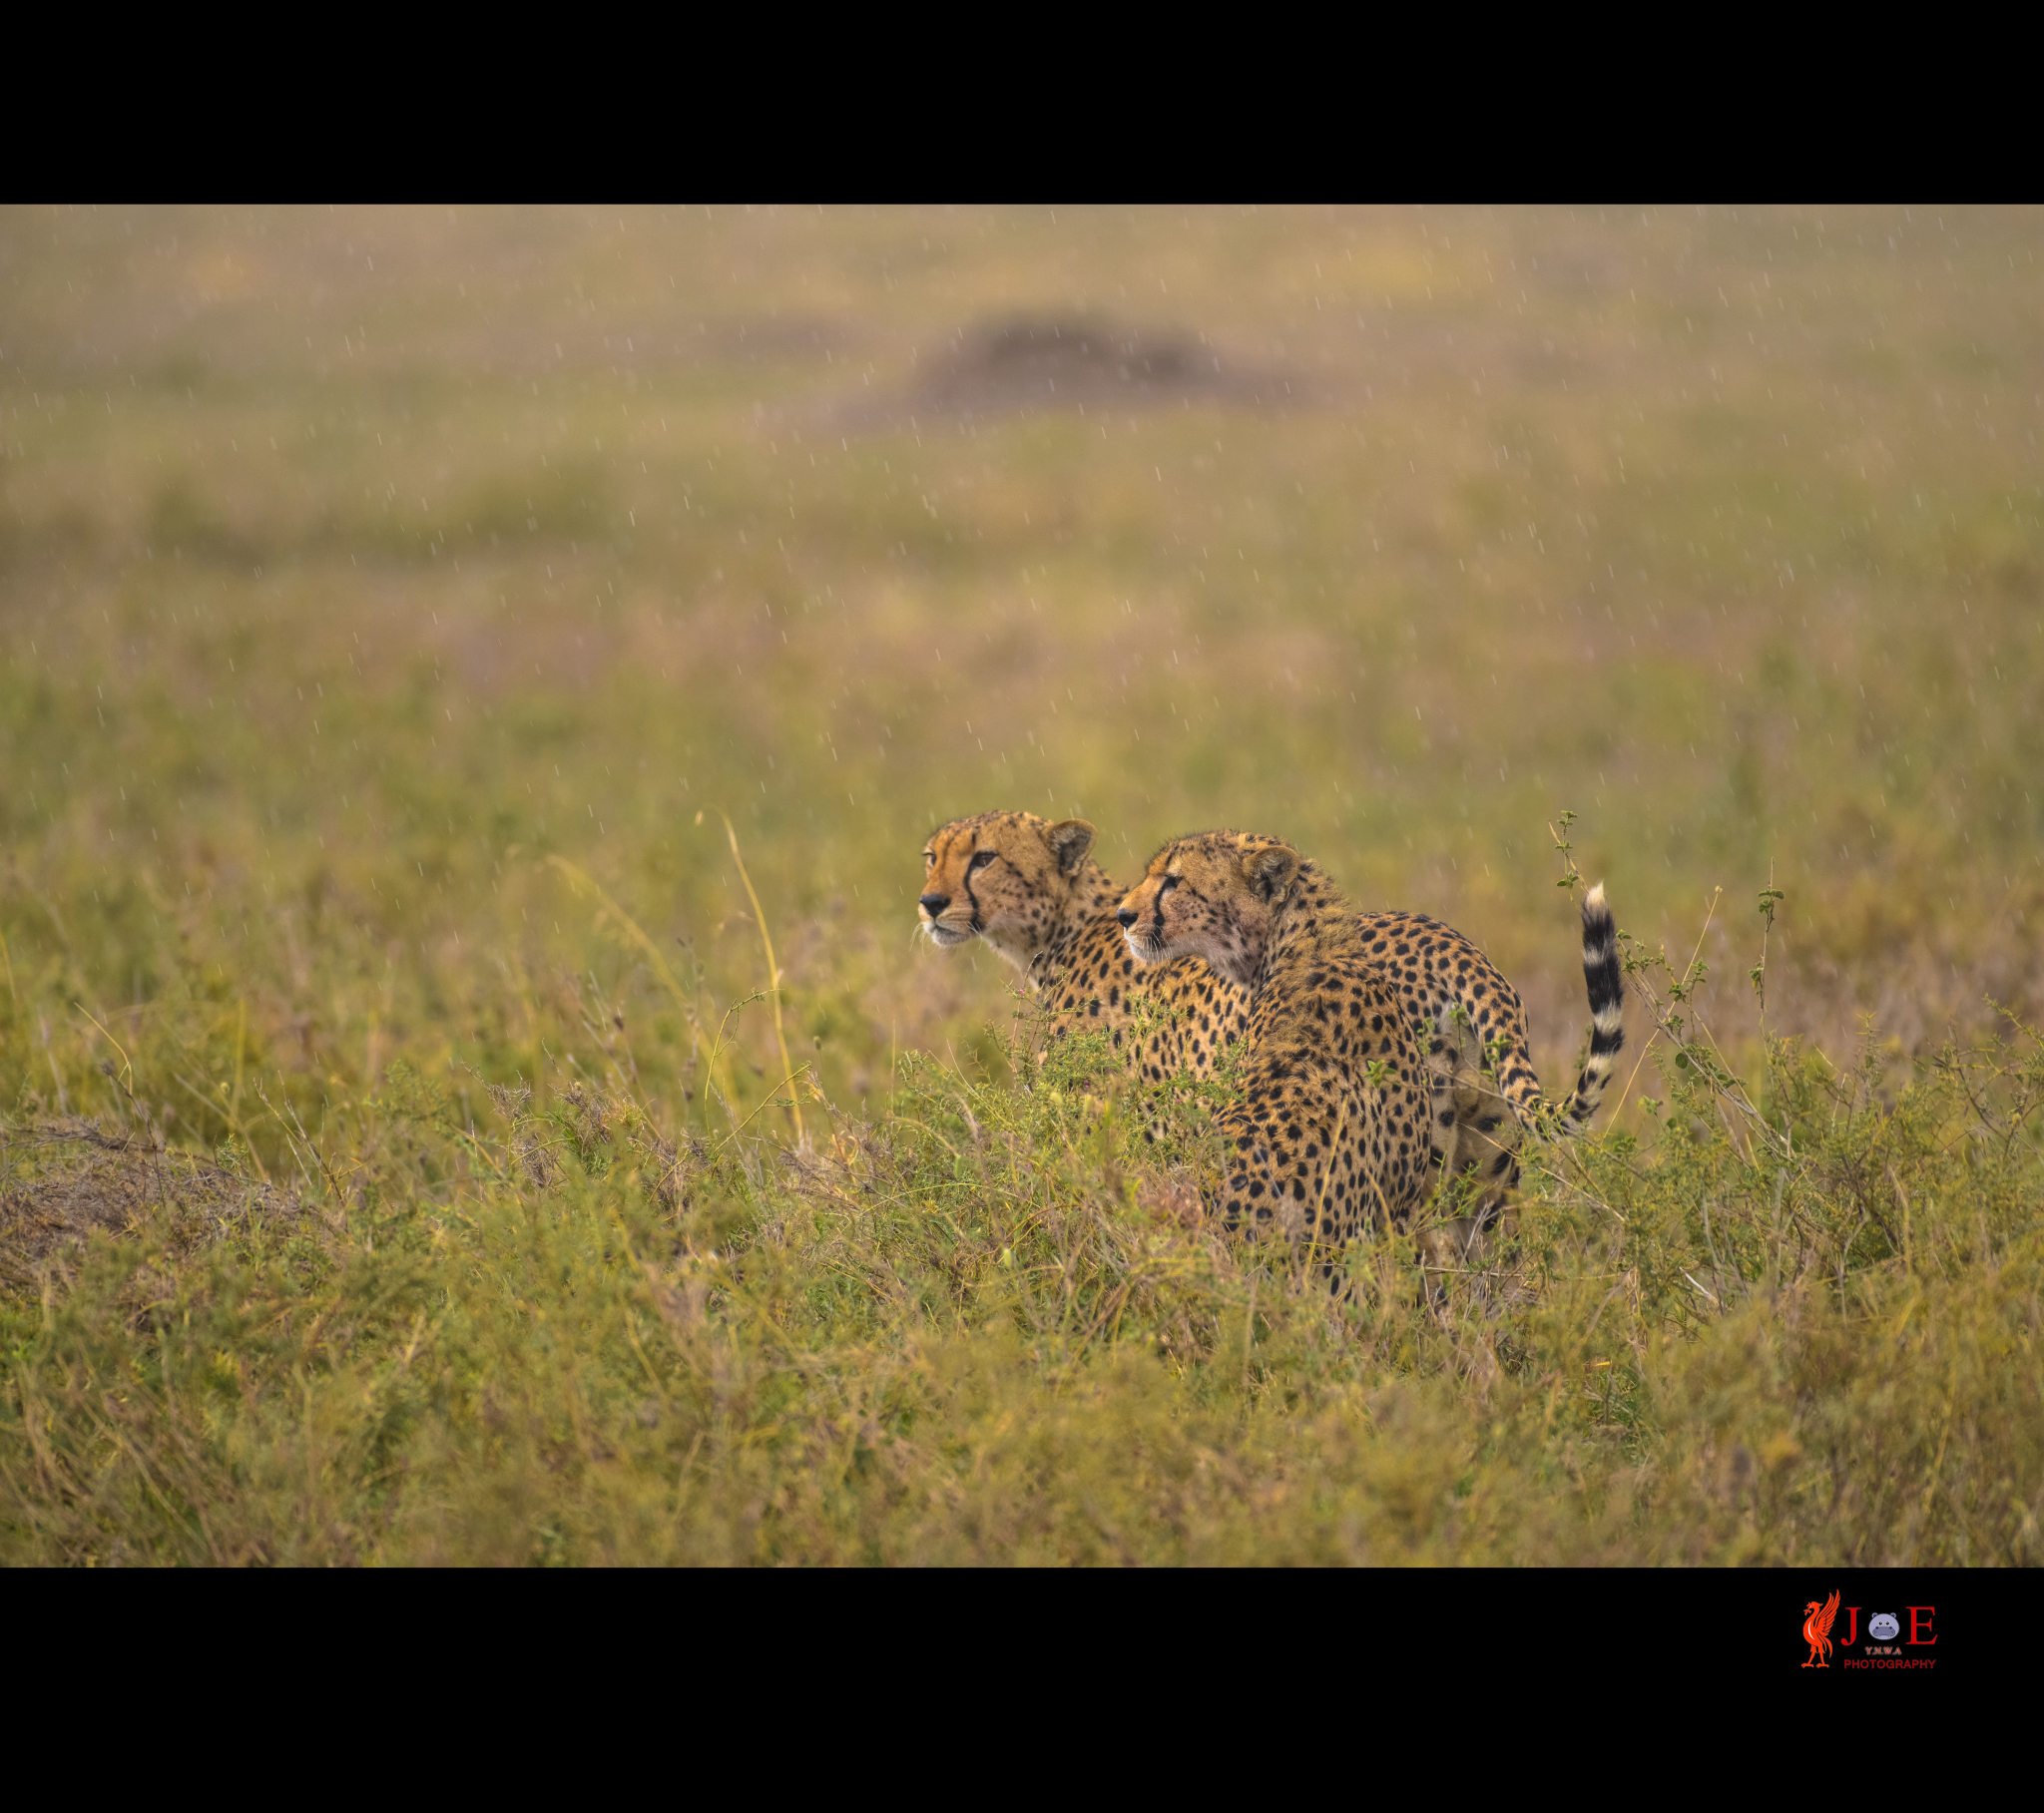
<point>1460,1098</point>
<point>1488,1146</point>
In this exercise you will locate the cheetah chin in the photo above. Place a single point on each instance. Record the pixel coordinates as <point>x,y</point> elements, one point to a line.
<point>946,937</point>
<point>1144,947</point>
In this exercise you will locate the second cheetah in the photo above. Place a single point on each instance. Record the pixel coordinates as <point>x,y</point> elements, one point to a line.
<point>1324,1135</point>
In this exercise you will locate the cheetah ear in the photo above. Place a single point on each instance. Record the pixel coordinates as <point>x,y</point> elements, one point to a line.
<point>1269,871</point>
<point>1070,842</point>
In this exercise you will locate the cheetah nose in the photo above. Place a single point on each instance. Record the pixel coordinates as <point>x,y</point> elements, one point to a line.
<point>934,904</point>
<point>1127,916</point>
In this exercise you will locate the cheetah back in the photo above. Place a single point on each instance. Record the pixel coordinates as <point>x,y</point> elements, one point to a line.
<point>1317,1148</point>
<point>1433,968</point>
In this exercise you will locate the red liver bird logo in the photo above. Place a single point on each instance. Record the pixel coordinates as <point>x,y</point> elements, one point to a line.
<point>1816,1630</point>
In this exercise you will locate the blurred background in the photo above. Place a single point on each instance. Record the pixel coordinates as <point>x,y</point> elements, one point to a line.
<point>352,563</point>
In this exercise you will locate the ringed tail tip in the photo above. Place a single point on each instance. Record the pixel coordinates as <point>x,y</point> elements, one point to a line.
<point>1604,976</point>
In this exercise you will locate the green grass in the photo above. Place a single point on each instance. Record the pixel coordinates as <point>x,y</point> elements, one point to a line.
<point>985,1328</point>
<point>393,602</point>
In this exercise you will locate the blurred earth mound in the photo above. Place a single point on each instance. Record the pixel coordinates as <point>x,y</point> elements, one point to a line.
<point>1048,362</point>
<point>80,1178</point>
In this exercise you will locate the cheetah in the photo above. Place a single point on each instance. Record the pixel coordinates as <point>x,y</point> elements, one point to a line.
<point>1334,1129</point>
<point>1313,1126</point>
<point>1032,890</point>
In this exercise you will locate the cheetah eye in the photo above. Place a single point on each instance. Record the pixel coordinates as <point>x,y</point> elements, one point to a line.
<point>929,856</point>
<point>1170,882</point>
<point>983,858</point>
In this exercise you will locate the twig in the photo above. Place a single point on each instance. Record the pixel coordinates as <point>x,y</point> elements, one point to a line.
<point>287,1139</point>
<point>580,879</point>
<point>773,967</point>
<point>768,1103</point>
<point>115,1042</point>
<point>1629,1082</point>
<point>232,1119</point>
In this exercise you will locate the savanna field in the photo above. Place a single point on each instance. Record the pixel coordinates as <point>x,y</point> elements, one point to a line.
<point>474,688</point>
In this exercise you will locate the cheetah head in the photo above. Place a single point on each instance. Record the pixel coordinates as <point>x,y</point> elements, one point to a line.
<point>1214,896</point>
<point>1011,878</point>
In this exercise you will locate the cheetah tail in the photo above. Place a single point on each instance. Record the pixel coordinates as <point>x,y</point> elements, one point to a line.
<point>1606,983</point>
